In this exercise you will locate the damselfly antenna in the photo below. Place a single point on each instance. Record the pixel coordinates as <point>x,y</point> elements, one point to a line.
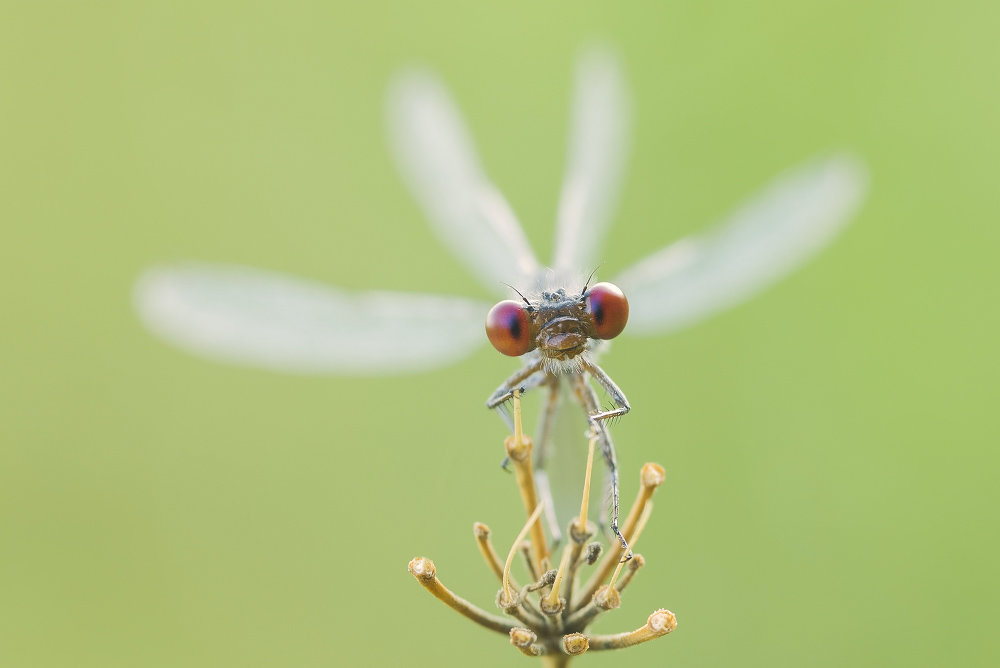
<point>589,279</point>
<point>525,299</point>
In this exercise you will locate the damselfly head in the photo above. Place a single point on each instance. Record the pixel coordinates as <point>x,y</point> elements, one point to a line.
<point>558,324</point>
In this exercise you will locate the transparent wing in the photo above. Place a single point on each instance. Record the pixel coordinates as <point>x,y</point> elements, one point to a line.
<point>598,144</point>
<point>436,157</point>
<point>279,322</point>
<point>774,232</point>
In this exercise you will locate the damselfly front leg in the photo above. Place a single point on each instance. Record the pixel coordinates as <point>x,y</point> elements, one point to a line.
<point>617,396</point>
<point>528,376</point>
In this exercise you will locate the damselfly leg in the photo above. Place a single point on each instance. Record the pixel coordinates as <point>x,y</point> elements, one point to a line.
<point>588,401</point>
<point>534,374</point>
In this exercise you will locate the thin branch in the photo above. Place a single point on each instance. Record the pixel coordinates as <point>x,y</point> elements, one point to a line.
<point>519,449</point>
<point>660,623</point>
<point>482,533</point>
<point>425,573</point>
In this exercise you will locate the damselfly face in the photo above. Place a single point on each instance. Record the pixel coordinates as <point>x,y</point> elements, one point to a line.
<point>559,325</point>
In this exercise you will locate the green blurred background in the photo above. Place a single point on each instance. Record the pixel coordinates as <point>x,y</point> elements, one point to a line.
<point>830,446</point>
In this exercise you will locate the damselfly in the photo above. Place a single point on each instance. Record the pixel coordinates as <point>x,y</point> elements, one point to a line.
<point>285,323</point>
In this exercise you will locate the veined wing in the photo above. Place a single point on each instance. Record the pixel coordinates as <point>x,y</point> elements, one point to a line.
<point>279,322</point>
<point>792,219</point>
<point>598,144</point>
<point>437,159</point>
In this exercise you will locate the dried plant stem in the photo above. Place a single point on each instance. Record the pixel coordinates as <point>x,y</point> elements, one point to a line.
<point>519,449</point>
<point>532,521</point>
<point>580,531</point>
<point>426,574</point>
<point>482,533</point>
<point>634,564</point>
<point>583,616</point>
<point>528,562</point>
<point>660,623</point>
<point>551,605</point>
<point>530,609</point>
<point>520,609</point>
<point>584,503</point>
<point>574,562</point>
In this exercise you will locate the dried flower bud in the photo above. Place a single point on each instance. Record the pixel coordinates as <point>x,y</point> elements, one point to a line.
<point>662,622</point>
<point>422,568</point>
<point>652,475</point>
<point>575,644</point>
<point>607,598</point>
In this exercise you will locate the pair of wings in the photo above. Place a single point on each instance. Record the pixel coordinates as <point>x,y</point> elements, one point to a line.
<point>280,322</point>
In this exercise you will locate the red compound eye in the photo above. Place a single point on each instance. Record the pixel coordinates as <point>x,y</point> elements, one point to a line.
<point>508,329</point>
<point>607,305</point>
